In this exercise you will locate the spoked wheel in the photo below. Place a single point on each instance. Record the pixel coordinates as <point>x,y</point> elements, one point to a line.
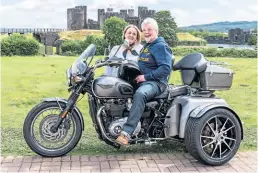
<point>213,138</point>
<point>41,139</point>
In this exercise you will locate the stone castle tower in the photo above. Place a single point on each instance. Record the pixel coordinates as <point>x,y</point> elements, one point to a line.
<point>77,18</point>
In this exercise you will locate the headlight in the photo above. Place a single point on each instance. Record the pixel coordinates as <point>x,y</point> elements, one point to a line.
<point>68,76</point>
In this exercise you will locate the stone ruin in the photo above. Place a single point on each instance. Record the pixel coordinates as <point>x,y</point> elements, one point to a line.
<point>77,17</point>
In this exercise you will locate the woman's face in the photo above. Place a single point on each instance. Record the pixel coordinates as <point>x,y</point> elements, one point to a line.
<point>131,35</point>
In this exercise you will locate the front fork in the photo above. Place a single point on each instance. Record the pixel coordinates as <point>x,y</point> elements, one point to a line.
<point>69,106</point>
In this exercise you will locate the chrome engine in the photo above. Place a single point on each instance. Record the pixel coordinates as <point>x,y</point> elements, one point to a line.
<point>116,126</point>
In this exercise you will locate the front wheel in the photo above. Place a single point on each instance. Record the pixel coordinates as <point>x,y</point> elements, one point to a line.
<point>214,138</point>
<point>40,139</point>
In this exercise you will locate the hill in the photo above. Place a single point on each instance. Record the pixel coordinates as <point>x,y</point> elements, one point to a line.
<point>223,26</point>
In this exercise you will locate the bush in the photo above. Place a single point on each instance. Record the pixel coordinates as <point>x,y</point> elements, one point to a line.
<point>17,44</point>
<point>215,52</point>
<point>192,43</point>
<point>76,47</point>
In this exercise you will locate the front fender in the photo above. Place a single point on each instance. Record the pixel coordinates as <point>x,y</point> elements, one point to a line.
<point>56,99</point>
<point>202,109</point>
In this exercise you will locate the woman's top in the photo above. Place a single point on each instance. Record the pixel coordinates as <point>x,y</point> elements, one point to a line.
<point>122,52</point>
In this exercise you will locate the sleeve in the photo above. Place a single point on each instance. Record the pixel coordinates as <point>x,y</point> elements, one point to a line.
<point>163,58</point>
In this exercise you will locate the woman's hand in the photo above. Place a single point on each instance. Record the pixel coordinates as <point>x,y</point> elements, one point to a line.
<point>140,78</point>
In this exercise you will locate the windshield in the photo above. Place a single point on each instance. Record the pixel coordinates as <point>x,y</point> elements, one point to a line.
<point>84,60</point>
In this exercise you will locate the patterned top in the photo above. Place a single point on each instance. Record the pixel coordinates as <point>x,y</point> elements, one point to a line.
<point>119,51</point>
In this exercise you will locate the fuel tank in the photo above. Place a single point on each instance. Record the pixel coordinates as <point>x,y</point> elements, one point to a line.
<point>112,87</point>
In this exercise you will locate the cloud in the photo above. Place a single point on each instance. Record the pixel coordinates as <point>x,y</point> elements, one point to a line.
<point>53,13</point>
<point>35,14</point>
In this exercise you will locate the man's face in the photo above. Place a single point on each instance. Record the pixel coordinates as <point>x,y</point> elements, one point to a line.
<point>150,33</point>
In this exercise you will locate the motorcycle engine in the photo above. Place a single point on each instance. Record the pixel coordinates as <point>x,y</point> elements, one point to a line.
<point>116,126</point>
<point>118,114</point>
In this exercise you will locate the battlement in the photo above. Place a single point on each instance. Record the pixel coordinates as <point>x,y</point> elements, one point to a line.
<point>81,7</point>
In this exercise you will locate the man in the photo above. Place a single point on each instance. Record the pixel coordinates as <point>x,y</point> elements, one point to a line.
<point>155,64</point>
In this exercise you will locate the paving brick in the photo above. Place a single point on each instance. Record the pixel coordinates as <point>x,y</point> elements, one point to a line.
<point>94,159</point>
<point>104,165</point>
<point>163,156</point>
<point>75,158</point>
<point>8,159</point>
<point>66,158</point>
<point>111,157</point>
<point>35,166</point>
<point>102,158</point>
<point>173,169</point>
<point>125,162</point>
<point>13,169</point>
<point>149,169</point>
<point>110,170</point>
<point>201,169</point>
<point>125,170</point>
<point>114,164</point>
<point>135,170</point>
<point>142,163</point>
<point>75,165</point>
<point>85,158</point>
<point>155,156</point>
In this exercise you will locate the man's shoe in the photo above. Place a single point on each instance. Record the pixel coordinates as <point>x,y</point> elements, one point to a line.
<point>122,140</point>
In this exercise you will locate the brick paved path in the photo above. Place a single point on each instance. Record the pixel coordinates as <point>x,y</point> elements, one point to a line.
<point>177,162</point>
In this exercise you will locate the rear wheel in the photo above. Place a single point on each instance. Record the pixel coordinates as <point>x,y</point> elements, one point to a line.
<point>214,138</point>
<point>40,139</point>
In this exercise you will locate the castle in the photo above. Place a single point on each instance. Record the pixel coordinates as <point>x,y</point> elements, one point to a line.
<point>77,17</point>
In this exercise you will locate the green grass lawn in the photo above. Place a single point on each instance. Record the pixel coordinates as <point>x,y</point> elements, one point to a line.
<point>26,80</point>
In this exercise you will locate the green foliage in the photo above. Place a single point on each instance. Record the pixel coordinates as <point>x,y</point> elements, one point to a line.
<point>167,27</point>
<point>73,47</point>
<point>165,20</point>
<point>205,33</point>
<point>170,36</point>
<point>113,30</point>
<point>192,43</point>
<point>252,40</point>
<point>17,44</point>
<point>215,52</point>
<point>76,47</point>
<point>99,41</point>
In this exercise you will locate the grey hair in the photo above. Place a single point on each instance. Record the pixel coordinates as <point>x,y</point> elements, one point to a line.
<point>152,22</point>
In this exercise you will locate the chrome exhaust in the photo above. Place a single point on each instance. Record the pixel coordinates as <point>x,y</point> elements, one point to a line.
<point>101,124</point>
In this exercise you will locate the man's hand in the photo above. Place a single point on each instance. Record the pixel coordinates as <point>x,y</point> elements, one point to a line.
<point>140,78</point>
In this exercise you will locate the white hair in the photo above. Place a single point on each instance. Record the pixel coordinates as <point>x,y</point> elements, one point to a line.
<point>152,22</point>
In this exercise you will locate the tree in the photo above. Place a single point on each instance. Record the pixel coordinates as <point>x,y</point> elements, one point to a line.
<point>113,30</point>
<point>252,40</point>
<point>170,36</point>
<point>167,27</point>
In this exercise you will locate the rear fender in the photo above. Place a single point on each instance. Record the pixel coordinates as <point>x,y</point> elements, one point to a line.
<point>201,110</point>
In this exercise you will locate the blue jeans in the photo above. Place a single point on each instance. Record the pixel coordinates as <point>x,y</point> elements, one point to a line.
<point>144,93</point>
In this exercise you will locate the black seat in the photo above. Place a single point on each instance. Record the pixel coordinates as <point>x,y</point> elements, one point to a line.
<point>193,61</point>
<point>173,91</point>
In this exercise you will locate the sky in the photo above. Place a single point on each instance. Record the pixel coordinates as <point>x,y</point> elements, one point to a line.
<point>53,13</point>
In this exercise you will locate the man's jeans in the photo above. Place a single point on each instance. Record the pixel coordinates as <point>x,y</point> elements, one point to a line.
<point>144,93</point>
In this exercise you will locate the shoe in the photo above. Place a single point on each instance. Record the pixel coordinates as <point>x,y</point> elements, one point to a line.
<point>122,140</point>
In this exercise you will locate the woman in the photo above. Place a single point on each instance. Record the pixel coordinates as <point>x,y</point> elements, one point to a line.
<point>130,50</point>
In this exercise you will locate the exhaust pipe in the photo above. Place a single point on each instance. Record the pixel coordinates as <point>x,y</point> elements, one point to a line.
<point>101,124</point>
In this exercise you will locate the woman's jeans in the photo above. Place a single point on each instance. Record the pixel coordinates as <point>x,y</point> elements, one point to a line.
<point>144,93</point>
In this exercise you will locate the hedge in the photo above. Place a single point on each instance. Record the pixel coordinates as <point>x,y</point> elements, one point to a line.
<point>76,47</point>
<point>17,44</point>
<point>215,52</point>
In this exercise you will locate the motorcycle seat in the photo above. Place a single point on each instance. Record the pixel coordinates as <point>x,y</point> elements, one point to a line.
<point>173,91</point>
